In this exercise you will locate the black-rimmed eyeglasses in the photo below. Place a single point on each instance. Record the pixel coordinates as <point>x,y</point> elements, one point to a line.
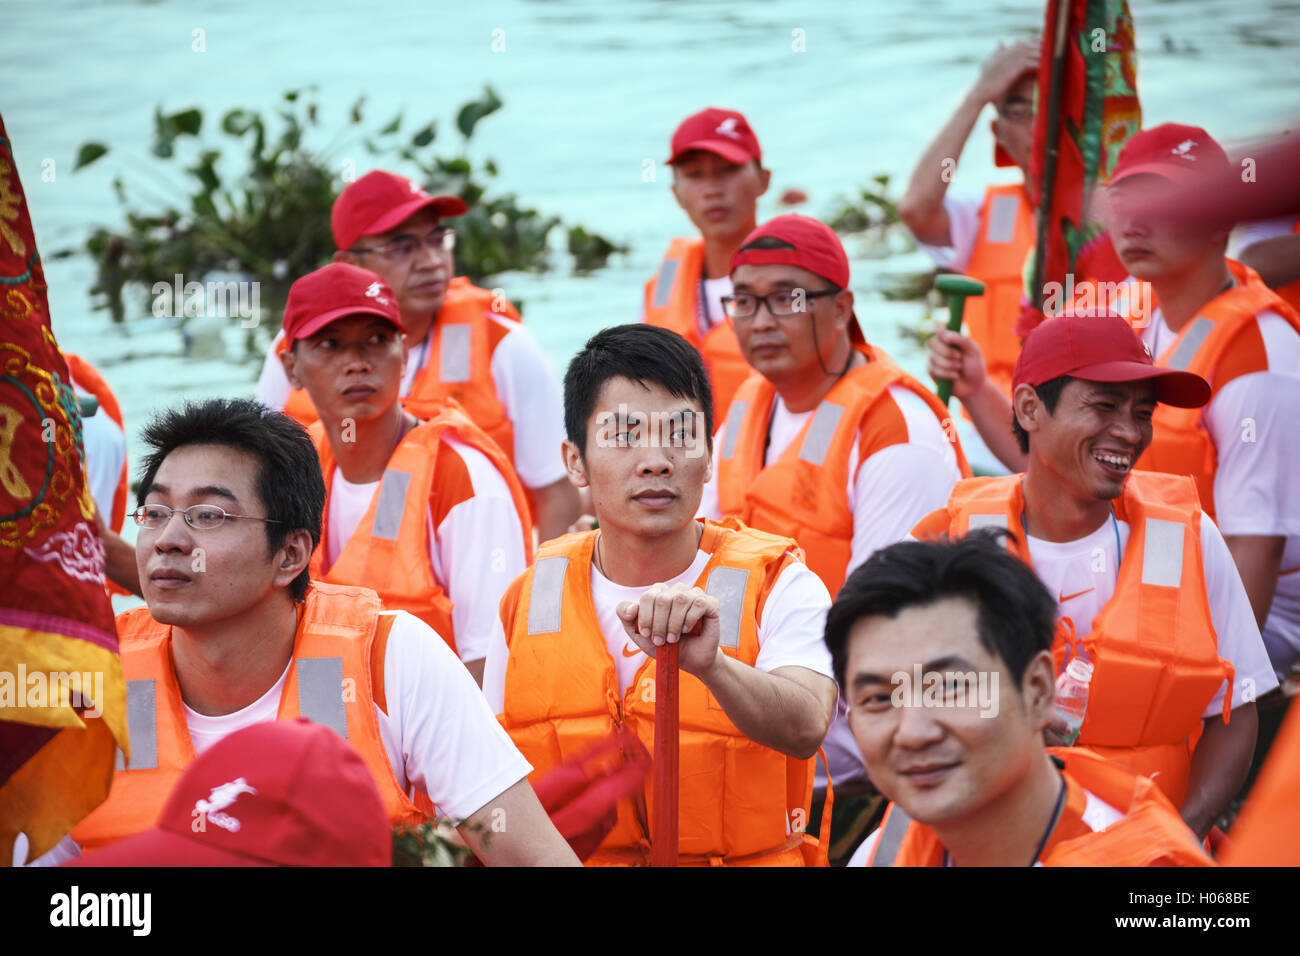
<point>781,303</point>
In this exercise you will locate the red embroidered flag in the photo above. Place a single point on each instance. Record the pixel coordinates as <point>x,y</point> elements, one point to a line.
<point>1095,107</point>
<point>62,698</point>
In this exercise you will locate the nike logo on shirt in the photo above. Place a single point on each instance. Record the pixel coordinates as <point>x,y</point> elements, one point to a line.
<point>632,651</point>
<point>1062,598</point>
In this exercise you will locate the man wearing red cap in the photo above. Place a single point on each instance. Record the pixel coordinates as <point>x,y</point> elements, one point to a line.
<point>718,176</point>
<point>987,238</point>
<point>466,343</point>
<point>1214,317</point>
<point>428,514</point>
<point>235,633</point>
<point>828,441</point>
<point>1145,586</point>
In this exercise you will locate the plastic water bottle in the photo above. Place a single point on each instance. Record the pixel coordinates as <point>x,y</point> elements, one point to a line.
<point>1072,697</point>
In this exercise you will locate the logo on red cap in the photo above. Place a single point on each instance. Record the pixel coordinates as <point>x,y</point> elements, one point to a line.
<point>724,132</point>
<point>221,797</point>
<point>1173,151</point>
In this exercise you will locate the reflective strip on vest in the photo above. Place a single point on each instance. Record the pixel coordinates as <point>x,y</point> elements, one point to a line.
<point>320,692</point>
<point>391,505</point>
<point>987,521</point>
<point>818,440</point>
<point>141,725</point>
<point>1162,556</point>
<point>1001,226</point>
<point>453,356</point>
<point>546,594</point>
<point>1191,343</point>
<point>891,837</point>
<point>664,282</point>
<point>735,421</point>
<point>728,586</point>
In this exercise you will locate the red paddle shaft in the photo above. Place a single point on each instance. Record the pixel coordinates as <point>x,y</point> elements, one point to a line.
<point>663,841</point>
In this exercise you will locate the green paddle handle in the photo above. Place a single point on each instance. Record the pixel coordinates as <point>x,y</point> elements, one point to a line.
<point>957,288</point>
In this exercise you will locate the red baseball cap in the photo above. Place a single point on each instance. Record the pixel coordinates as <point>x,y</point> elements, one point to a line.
<point>1182,154</point>
<point>280,793</point>
<point>725,132</point>
<point>378,201</point>
<point>1102,347</point>
<point>339,289</point>
<point>812,245</point>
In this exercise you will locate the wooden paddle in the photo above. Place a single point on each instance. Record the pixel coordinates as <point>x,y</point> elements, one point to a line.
<point>663,838</point>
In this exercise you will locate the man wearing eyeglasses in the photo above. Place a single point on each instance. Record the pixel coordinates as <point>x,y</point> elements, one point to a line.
<point>986,238</point>
<point>235,633</point>
<point>465,343</point>
<point>828,442</point>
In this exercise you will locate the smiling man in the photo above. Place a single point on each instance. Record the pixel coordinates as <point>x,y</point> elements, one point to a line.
<point>235,633</point>
<point>971,785</point>
<point>1214,317</point>
<point>465,342</point>
<point>718,176</point>
<point>429,514</point>
<point>1145,586</point>
<point>573,657</point>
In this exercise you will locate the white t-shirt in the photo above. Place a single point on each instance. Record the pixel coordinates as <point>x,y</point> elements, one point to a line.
<point>524,382</point>
<point>105,452</point>
<point>1097,814</point>
<point>439,734</point>
<point>1252,420</point>
<point>890,491</point>
<point>790,630</point>
<point>475,551</point>
<point>1081,576</point>
<point>963,228</point>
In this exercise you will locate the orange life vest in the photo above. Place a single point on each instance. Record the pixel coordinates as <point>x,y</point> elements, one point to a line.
<point>1006,234</point>
<point>672,301</point>
<point>1268,831</point>
<point>741,803</point>
<point>1181,445</point>
<point>802,494</point>
<point>459,366</point>
<point>389,550</point>
<point>337,634</point>
<point>1150,834</point>
<point>1153,647</point>
<point>85,375</point>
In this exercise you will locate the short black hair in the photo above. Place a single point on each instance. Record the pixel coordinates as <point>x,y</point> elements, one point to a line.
<point>1016,614</point>
<point>289,479</point>
<point>1049,393</point>
<point>643,353</point>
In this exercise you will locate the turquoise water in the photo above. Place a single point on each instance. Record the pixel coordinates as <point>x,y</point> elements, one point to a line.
<point>592,89</point>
